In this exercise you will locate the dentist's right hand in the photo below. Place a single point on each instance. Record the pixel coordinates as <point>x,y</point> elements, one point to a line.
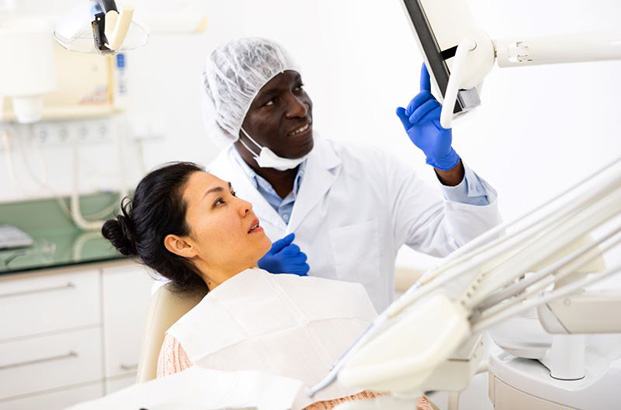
<point>285,257</point>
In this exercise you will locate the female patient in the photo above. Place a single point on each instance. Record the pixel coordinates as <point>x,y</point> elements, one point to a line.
<point>189,226</point>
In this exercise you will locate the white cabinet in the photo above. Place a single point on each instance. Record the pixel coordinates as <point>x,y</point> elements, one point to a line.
<point>47,362</point>
<point>38,304</point>
<point>119,383</point>
<point>70,335</point>
<point>126,294</point>
<point>55,400</point>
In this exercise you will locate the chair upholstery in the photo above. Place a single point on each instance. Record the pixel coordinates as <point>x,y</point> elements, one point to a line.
<point>166,308</point>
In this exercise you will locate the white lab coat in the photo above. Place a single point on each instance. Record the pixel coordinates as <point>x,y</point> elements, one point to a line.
<point>356,207</point>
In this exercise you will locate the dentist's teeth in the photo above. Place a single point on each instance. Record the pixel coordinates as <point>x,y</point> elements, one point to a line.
<point>300,130</point>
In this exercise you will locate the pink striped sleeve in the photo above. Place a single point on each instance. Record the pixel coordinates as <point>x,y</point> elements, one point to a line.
<point>172,358</point>
<point>422,403</point>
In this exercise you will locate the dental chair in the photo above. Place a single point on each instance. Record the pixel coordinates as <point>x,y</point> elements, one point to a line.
<point>166,308</point>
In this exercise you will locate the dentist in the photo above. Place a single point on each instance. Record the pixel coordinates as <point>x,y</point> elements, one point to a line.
<point>351,208</point>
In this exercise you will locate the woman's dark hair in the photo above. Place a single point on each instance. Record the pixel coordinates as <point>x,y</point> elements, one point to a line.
<point>156,210</point>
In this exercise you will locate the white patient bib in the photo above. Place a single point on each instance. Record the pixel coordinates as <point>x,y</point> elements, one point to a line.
<point>287,325</point>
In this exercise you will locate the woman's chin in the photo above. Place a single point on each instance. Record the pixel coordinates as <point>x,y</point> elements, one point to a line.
<point>265,243</point>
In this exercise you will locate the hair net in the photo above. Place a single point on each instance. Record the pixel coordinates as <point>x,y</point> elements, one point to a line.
<point>233,75</point>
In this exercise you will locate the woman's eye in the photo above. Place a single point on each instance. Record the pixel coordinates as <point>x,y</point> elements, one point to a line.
<point>219,202</point>
<point>234,193</point>
<point>269,103</point>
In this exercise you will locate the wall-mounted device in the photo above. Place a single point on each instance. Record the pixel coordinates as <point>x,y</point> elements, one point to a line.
<point>27,71</point>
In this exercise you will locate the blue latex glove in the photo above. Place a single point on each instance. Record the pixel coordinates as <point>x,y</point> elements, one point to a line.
<point>285,257</point>
<point>421,121</point>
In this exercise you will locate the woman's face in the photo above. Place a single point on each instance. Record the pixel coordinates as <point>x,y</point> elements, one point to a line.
<point>224,230</point>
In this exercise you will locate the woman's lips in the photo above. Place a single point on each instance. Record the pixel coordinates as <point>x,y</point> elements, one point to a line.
<point>256,230</point>
<point>255,227</point>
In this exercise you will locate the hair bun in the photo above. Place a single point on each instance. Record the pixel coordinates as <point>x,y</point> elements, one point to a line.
<point>119,232</point>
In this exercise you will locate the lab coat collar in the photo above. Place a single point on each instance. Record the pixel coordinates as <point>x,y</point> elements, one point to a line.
<point>322,169</point>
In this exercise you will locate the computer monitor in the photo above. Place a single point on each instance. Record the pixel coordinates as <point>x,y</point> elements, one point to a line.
<point>439,25</point>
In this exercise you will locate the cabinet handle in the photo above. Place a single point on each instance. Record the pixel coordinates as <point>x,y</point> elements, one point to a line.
<point>69,355</point>
<point>128,367</point>
<point>68,285</point>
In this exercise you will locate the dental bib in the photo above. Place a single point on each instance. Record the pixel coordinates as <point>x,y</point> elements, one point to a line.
<point>286,325</point>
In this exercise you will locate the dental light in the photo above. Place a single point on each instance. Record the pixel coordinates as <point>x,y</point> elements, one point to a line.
<point>459,54</point>
<point>97,26</point>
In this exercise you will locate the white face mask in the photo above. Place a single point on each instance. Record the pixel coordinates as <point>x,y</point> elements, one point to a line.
<point>268,159</point>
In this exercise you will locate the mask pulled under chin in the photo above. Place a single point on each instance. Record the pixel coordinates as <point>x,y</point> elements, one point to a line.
<point>268,159</point>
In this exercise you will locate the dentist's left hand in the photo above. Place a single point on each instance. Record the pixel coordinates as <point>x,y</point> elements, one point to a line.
<point>421,120</point>
<point>285,257</point>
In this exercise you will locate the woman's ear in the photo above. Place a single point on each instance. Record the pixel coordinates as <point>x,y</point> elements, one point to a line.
<point>179,246</point>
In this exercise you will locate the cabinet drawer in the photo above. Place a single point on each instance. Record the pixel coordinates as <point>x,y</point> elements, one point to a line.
<point>48,362</point>
<point>126,297</point>
<point>56,400</point>
<point>39,304</point>
<point>119,383</point>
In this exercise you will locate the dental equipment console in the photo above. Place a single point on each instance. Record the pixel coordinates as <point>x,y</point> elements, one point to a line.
<point>541,262</point>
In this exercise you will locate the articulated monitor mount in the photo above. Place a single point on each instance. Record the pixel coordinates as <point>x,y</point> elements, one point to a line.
<point>459,54</point>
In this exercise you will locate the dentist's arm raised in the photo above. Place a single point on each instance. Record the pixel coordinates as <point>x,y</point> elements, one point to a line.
<point>421,120</point>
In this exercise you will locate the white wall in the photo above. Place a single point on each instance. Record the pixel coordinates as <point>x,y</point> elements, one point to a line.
<point>538,129</point>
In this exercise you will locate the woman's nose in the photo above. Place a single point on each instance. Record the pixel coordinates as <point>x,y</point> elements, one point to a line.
<point>244,207</point>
